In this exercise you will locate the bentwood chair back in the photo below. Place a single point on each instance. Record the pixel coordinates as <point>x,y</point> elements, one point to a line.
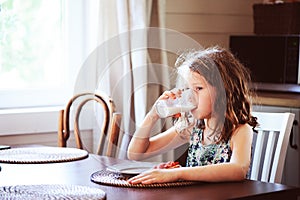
<point>270,146</point>
<point>111,121</point>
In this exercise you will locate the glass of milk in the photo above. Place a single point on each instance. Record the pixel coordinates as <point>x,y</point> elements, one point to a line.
<point>169,107</point>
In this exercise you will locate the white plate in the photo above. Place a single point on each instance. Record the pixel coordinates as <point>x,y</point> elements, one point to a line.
<point>132,168</point>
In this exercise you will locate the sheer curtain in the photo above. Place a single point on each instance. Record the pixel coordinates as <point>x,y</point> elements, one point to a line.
<point>125,63</point>
<point>132,62</point>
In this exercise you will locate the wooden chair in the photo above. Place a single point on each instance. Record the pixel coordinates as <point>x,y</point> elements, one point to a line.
<point>110,127</point>
<point>270,146</point>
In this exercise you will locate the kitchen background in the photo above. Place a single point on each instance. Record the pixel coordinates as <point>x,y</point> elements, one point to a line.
<point>209,23</point>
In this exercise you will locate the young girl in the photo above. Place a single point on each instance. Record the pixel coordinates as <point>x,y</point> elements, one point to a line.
<point>220,139</point>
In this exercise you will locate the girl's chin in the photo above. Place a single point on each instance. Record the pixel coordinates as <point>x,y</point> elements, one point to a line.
<point>197,115</point>
<point>194,113</point>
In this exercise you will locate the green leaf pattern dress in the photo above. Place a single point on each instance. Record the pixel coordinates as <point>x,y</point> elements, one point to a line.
<point>199,154</point>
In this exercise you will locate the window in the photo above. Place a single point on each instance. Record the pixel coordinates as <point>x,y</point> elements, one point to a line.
<point>35,39</point>
<point>43,44</point>
<point>31,51</point>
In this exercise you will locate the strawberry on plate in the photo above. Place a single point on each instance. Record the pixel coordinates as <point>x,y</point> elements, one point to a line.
<point>168,165</point>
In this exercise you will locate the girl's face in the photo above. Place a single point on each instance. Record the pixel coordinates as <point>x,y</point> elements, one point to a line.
<point>204,95</point>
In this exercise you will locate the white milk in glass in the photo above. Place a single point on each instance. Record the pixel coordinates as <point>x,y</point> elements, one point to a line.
<point>170,107</point>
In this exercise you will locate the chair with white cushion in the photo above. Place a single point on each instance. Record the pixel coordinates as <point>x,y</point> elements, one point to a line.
<point>270,146</point>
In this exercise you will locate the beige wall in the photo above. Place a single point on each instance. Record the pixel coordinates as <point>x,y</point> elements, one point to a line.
<point>210,22</point>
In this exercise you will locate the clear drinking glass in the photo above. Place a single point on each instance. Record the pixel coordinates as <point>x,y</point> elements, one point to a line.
<point>170,107</point>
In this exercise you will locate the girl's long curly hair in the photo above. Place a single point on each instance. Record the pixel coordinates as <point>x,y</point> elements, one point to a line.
<point>232,82</point>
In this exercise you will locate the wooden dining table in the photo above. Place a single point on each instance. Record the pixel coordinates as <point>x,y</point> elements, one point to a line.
<point>79,172</point>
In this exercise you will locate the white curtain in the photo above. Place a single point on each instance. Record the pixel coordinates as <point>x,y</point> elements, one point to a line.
<point>130,60</point>
<point>123,59</point>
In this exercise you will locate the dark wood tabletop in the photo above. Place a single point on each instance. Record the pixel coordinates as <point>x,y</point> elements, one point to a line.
<point>79,172</point>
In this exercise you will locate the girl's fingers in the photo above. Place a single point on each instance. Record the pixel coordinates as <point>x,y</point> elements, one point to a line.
<point>173,94</point>
<point>177,92</point>
<point>159,166</point>
<point>168,94</point>
<point>139,179</point>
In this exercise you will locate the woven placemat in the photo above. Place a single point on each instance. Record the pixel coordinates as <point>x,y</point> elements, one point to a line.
<point>33,155</point>
<point>34,192</point>
<point>116,179</point>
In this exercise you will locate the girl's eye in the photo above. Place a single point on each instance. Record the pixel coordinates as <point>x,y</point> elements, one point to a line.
<point>198,88</point>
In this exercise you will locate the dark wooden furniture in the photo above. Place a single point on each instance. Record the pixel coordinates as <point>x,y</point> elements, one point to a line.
<point>282,99</point>
<point>78,173</point>
<point>109,133</point>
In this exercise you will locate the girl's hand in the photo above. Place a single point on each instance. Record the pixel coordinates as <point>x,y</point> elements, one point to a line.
<point>168,94</point>
<point>155,176</point>
<point>168,165</point>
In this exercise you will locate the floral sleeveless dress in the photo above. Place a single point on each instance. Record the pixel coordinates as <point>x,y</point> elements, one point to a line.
<point>199,154</point>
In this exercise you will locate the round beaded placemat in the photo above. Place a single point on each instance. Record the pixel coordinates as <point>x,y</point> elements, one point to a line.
<point>33,192</point>
<point>116,179</point>
<point>33,155</point>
